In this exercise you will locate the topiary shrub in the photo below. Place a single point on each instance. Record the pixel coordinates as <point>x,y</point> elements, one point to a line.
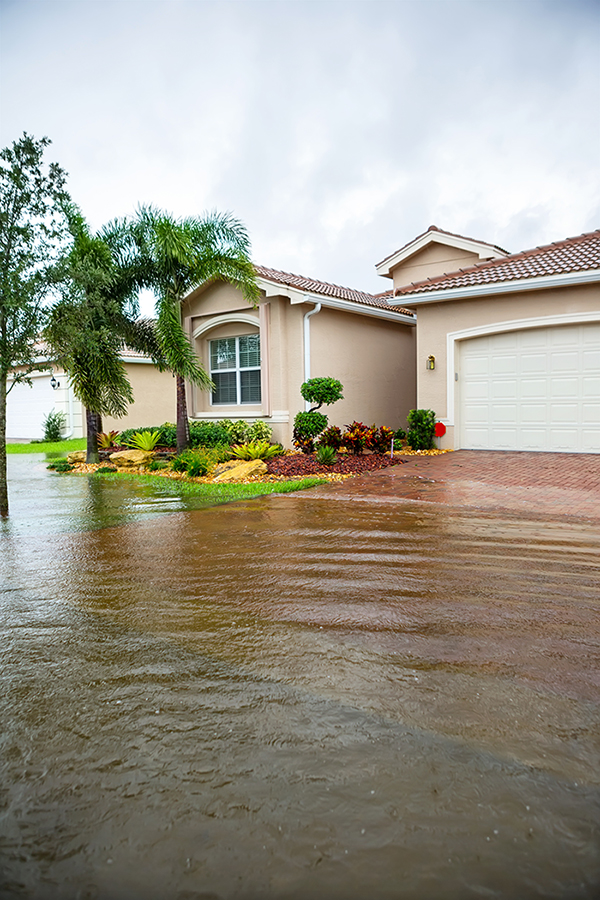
<point>421,430</point>
<point>307,425</point>
<point>322,391</point>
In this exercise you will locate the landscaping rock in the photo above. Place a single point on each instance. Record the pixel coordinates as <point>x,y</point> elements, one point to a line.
<point>131,459</point>
<point>76,456</point>
<point>239,470</point>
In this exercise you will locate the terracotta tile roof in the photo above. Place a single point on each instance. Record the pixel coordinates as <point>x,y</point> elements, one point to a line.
<point>325,289</point>
<point>576,254</point>
<point>440,231</point>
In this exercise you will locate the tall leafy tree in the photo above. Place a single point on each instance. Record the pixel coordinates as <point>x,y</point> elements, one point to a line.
<point>181,254</point>
<point>97,315</point>
<point>32,195</point>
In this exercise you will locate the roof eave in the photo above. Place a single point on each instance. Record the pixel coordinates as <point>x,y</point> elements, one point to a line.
<point>544,282</point>
<point>275,289</point>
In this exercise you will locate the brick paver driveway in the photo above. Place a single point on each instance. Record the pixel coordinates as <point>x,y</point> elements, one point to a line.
<point>549,484</point>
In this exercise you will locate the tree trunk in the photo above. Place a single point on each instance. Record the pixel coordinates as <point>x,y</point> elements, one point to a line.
<point>183,426</point>
<point>3,481</point>
<point>91,421</point>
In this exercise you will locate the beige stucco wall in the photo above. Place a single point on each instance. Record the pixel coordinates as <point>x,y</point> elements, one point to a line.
<point>373,358</point>
<point>155,398</point>
<point>435,259</point>
<point>437,320</point>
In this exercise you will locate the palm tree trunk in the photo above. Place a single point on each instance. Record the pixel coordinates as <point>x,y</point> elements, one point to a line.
<point>183,426</point>
<point>3,481</point>
<point>91,421</point>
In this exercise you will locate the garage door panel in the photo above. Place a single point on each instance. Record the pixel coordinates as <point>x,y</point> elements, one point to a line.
<point>534,414</point>
<point>504,365</point>
<point>533,364</point>
<point>535,389</point>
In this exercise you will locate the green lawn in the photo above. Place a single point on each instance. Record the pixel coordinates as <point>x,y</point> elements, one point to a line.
<point>47,447</point>
<point>219,493</point>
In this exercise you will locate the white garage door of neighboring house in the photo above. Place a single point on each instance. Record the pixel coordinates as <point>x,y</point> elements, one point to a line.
<point>535,389</point>
<point>27,407</point>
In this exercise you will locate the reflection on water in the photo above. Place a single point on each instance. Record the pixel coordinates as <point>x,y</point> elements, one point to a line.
<point>318,695</point>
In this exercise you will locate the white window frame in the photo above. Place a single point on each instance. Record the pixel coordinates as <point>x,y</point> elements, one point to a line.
<point>237,369</point>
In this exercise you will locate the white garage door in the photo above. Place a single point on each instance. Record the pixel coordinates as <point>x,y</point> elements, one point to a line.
<point>536,389</point>
<point>27,407</point>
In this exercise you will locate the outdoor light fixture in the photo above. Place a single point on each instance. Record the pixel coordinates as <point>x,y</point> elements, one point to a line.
<point>54,383</point>
<point>431,362</point>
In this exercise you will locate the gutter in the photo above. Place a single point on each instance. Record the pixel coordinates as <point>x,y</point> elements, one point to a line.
<point>313,312</point>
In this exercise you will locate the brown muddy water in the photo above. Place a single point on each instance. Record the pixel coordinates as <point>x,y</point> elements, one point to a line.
<point>318,695</point>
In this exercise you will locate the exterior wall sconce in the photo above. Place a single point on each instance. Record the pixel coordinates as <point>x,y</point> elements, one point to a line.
<point>430,362</point>
<point>54,384</point>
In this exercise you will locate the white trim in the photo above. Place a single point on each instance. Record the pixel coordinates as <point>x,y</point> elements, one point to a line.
<point>483,251</point>
<point>273,289</point>
<point>225,319</point>
<point>543,282</point>
<point>278,416</point>
<point>453,337</point>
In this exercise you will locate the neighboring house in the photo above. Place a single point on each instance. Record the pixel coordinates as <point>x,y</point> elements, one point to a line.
<point>515,340</point>
<point>301,328</point>
<point>27,407</point>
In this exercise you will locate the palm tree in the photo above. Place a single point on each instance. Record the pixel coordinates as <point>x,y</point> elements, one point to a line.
<point>97,315</point>
<point>181,254</point>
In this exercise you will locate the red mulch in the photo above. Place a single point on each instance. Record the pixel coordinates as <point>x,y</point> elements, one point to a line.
<point>300,464</point>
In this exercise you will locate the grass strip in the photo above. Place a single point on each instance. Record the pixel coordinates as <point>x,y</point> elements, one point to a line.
<point>48,447</point>
<point>218,493</point>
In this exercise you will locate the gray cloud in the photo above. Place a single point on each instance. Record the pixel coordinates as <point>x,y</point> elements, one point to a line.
<point>336,131</point>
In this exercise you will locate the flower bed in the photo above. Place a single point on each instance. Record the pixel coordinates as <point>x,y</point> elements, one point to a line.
<point>295,464</point>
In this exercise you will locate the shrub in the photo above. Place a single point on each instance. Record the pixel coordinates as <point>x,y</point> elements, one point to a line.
<point>307,425</point>
<point>380,441</point>
<point>400,435</point>
<point>144,440</point>
<point>356,436</point>
<point>61,465</point>
<point>207,434</point>
<point>256,450</point>
<point>200,461</point>
<point>322,391</point>
<point>260,431</point>
<point>326,455</point>
<point>54,425</point>
<point>105,470</point>
<point>421,431</point>
<point>331,437</point>
<point>237,432</point>
<point>156,465</point>
<point>107,439</point>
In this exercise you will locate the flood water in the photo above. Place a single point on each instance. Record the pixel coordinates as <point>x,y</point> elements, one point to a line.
<point>316,695</point>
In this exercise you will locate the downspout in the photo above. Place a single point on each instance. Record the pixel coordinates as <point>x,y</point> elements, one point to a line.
<point>313,312</point>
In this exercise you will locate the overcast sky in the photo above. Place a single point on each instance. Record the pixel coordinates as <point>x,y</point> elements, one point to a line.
<point>337,131</point>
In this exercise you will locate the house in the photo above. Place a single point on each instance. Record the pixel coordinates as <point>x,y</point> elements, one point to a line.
<point>505,348</point>
<point>300,329</point>
<point>508,346</point>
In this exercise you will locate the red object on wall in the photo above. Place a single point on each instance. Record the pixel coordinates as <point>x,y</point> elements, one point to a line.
<point>440,429</point>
